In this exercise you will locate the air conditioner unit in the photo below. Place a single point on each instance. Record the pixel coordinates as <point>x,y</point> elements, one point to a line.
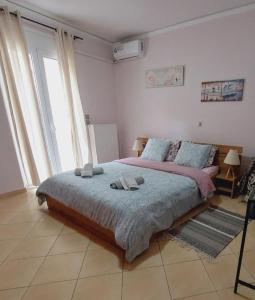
<point>127,50</point>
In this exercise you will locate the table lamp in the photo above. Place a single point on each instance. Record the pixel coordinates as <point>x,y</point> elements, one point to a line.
<point>138,147</point>
<point>232,159</point>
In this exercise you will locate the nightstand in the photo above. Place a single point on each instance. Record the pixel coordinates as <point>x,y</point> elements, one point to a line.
<point>226,185</point>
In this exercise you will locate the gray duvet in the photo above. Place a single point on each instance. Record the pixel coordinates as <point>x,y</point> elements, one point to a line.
<point>133,216</point>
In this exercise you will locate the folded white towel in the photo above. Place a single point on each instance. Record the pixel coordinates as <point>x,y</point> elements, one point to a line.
<point>87,170</point>
<point>96,171</point>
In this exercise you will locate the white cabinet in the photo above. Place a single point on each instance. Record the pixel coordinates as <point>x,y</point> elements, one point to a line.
<point>104,142</point>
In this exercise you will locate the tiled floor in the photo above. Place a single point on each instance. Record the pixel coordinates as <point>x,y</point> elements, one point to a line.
<point>41,257</point>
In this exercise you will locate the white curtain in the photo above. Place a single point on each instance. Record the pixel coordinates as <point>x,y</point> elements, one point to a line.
<point>80,139</point>
<point>22,102</point>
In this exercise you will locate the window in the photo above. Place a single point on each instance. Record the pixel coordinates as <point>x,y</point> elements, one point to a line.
<point>60,117</point>
<point>52,104</point>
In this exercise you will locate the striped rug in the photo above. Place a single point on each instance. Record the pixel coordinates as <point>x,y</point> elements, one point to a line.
<point>209,232</point>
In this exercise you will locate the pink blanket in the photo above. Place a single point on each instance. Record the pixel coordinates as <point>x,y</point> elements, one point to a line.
<point>202,179</point>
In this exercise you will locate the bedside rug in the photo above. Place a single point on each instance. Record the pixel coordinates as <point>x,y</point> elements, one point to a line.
<point>209,232</point>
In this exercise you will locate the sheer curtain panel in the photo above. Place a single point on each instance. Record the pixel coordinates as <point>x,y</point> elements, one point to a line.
<point>80,140</point>
<point>21,100</point>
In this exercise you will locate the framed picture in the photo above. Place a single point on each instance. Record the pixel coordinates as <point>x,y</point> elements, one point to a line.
<point>171,76</point>
<point>219,91</point>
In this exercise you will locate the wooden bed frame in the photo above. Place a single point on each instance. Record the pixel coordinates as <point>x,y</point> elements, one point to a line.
<point>75,217</point>
<point>57,209</point>
<point>97,230</point>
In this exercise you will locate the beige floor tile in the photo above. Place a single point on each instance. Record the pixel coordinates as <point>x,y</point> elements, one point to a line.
<point>6,247</point>
<point>14,203</point>
<point>150,258</point>
<point>236,243</point>
<point>249,262</point>
<point>235,204</point>
<point>209,296</point>
<point>145,284</point>
<point>106,287</point>
<point>15,231</point>
<point>222,272</point>
<point>251,227</point>
<point>34,247</point>
<point>52,291</point>
<point>73,242</point>
<point>46,227</point>
<point>244,293</point>
<point>14,294</point>
<point>101,260</point>
<point>6,216</point>
<point>172,253</point>
<point>59,268</point>
<point>188,279</point>
<point>30,215</point>
<point>18,273</point>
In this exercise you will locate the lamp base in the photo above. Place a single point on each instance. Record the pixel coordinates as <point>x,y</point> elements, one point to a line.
<point>230,172</point>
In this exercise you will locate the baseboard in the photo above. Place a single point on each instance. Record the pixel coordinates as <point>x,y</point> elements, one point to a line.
<point>13,193</point>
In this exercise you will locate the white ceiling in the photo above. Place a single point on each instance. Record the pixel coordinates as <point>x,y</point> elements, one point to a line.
<point>118,19</point>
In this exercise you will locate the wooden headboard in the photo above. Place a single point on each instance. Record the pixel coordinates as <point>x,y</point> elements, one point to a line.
<point>220,155</point>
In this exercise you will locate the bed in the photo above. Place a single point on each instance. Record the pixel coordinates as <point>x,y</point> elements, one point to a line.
<point>128,219</point>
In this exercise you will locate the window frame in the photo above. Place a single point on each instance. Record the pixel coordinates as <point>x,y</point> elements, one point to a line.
<point>40,46</point>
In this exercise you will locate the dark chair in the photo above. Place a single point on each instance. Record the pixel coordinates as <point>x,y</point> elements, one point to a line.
<point>250,215</point>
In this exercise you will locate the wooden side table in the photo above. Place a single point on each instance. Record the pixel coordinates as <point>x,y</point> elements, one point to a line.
<point>226,185</point>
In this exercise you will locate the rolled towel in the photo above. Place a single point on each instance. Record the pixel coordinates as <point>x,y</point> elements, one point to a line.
<point>117,185</point>
<point>95,171</point>
<point>98,170</point>
<point>77,171</point>
<point>87,170</point>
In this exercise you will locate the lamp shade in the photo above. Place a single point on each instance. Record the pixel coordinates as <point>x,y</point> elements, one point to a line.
<point>137,146</point>
<point>232,158</point>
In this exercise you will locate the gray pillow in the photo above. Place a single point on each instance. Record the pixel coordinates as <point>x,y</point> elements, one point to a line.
<point>193,155</point>
<point>156,149</point>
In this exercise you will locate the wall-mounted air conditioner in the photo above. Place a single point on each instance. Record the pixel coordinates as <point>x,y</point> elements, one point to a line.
<point>128,50</point>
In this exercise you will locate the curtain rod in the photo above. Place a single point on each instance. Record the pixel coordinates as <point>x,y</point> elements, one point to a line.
<point>44,25</point>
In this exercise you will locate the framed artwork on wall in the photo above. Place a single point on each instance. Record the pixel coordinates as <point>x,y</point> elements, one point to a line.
<point>165,77</point>
<point>222,91</point>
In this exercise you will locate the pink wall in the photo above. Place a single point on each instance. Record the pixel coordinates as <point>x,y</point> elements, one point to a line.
<point>96,86</point>
<point>97,48</point>
<point>220,49</point>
